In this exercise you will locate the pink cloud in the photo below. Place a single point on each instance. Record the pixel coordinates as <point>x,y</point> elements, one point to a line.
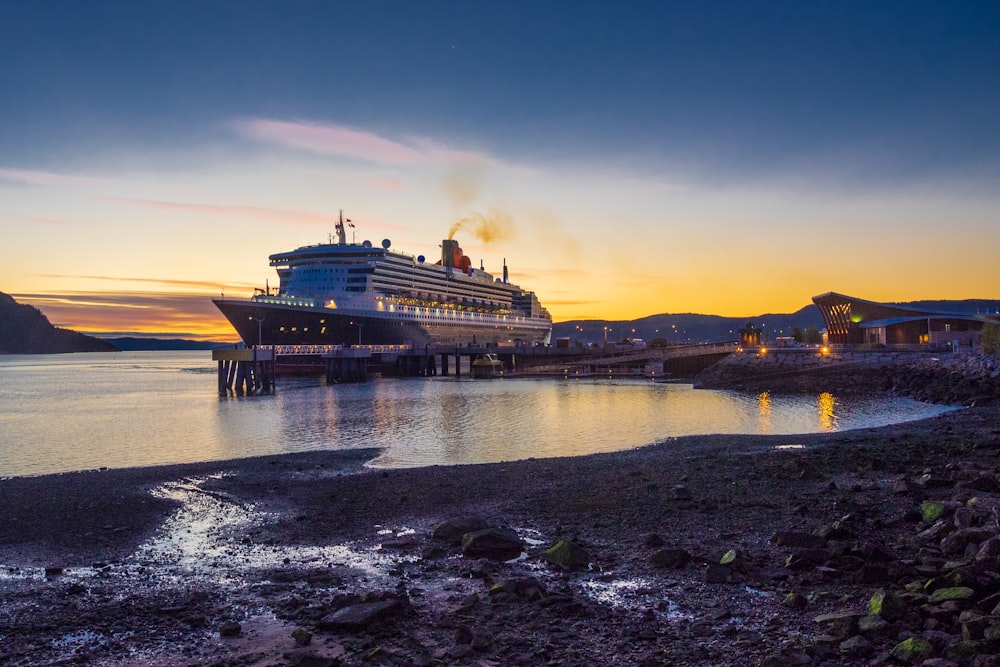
<point>333,139</point>
<point>329,139</point>
<point>389,183</point>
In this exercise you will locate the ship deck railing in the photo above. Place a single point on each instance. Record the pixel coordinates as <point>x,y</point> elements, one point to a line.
<point>312,350</point>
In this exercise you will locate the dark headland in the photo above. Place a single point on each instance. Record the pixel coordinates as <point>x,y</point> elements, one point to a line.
<point>25,330</point>
<point>866,547</point>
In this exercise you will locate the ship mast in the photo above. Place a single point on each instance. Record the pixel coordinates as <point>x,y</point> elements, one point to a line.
<point>341,232</point>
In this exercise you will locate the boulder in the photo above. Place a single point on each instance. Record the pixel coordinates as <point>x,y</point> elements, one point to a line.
<point>493,543</point>
<point>670,558</point>
<point>912,650</point>
<point>452,530</point>
<point>887,605</point>
<point>567,556</point>
<point>359,615</point>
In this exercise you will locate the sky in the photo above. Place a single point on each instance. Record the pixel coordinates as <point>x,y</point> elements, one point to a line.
<point>625,159</point>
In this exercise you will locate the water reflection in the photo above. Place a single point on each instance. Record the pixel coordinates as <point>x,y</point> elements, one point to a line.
<point>764,410</point>
<point>153,408</point>
<point>825,403</point>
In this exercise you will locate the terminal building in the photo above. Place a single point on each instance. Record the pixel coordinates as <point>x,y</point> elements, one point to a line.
<point>853,321</point>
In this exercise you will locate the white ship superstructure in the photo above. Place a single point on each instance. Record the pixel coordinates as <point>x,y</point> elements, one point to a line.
<point>357,293</point>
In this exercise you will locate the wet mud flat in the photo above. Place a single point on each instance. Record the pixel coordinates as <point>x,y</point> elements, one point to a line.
<point>723,550</point>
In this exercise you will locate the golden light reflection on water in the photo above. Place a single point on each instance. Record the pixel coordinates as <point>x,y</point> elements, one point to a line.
<point>176,416</point>
<point>764,409</point>
<point>825,403</point>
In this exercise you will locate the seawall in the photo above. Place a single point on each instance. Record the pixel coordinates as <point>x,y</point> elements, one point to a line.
<point>951,379</point>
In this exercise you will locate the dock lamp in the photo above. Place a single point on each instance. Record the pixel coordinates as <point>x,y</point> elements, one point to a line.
<point>260,330</point>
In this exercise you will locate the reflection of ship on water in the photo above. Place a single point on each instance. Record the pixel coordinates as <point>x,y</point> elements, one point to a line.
<point>487,366</point>
<point>355,293</point>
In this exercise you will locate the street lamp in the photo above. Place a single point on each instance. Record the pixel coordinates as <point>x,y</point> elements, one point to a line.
<point>260,330</point>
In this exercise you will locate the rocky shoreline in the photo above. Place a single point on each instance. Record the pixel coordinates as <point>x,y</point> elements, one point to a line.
<point>867,547</point>
<point>946,379</point>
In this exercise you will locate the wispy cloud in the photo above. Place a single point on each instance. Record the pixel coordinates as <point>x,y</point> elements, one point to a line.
<point>207,287</point>
<point>344,141</point>
<point>254,212</point>
<point>33,177</point>
<point>160,313</point>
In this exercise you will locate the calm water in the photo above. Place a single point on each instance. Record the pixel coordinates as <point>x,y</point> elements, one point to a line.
<point>73,412</point>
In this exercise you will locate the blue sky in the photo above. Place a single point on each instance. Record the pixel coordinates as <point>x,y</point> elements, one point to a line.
<point>689,154</point>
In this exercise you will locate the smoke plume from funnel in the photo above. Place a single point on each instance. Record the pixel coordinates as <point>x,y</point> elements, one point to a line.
<point>486,228</point>
<point>464,185</point>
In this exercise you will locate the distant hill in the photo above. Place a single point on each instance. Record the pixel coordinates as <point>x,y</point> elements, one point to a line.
<point>693,328</point>
<point>25,330</point>
<point>134,344</point>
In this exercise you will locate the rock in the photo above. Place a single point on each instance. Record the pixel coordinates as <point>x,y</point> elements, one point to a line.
<point>567,556</point>
<point>734,561</point>
<point>400,542</point>
<point>230,629</point>
<point>871,625</point>
<point>856,645</point>
<point>886,605</point>
<point>806,558</point>
<point>989,550</point>
<point>840,624</point>
<point>952,593</point>
<point>931,510</point>
<point>717,574</point>
<point>798,540</point>
<point>510,590</point>
<point>358,615</point>
<point>451,531</point>
<point>494,543</point>
<point>912,650</point>
<point>302,637</point>
<point>670,558</point>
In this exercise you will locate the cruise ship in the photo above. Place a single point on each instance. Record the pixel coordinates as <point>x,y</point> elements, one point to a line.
<point>341,293</point>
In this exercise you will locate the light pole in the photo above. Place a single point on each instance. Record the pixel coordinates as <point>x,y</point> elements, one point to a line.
<point>260,331</point>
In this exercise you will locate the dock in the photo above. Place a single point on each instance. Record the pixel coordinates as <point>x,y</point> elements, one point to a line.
<point>246,370</point>
<point>251,371</point>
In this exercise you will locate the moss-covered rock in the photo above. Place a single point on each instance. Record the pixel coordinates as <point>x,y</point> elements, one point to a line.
<point>931,510</point>
<point>567,555</point>
<point>887,605</point>
<point>912,650</point>
<point>952,593</point>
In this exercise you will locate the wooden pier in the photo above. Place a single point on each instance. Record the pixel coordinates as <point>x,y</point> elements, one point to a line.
<point>251,371</point>
<point>245,371</point>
